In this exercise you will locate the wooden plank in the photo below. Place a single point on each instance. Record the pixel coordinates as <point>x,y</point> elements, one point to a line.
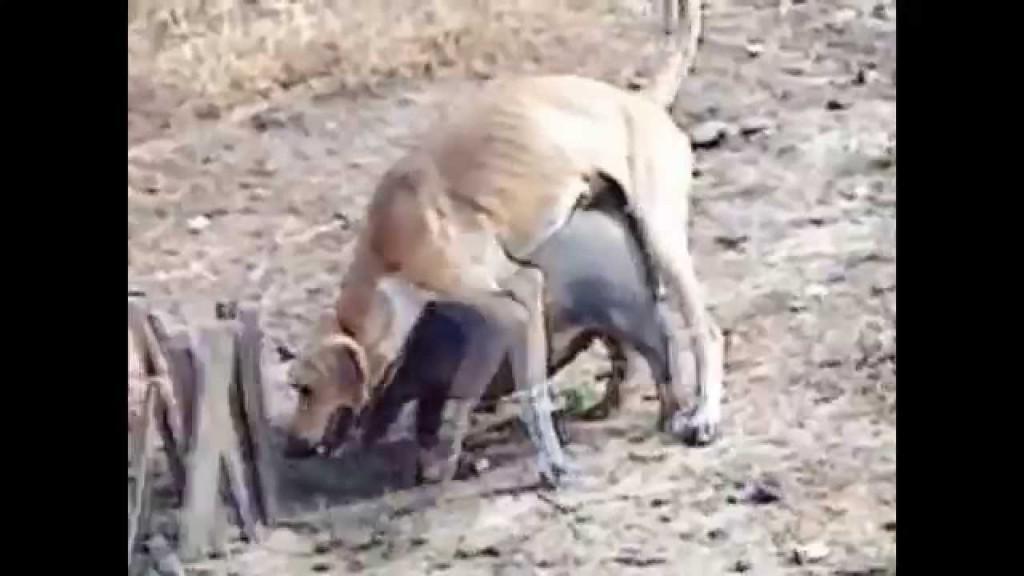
<point>178,347</point>
<point>142,431</point>
<point>215,361</point>
<point>239,479</point>
<point>169,412</point>
<point>136,365</point>
<point>259,440</point>
<point>237,484</point>
<point>139,507</point>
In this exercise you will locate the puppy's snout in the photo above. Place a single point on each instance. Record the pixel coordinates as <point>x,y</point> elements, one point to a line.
<point>297,448</point>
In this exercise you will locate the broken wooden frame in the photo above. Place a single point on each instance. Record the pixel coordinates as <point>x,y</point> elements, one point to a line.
<point>148,371</point>
<point>206,398</point>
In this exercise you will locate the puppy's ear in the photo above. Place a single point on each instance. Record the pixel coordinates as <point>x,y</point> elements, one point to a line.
<point>352,365</point>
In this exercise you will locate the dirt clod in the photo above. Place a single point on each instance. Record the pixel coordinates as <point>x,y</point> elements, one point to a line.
<point>810,553</point>
<point>753,125</point>
<point>741,566</point>
<point>834,104</point>
<point>710,133</point>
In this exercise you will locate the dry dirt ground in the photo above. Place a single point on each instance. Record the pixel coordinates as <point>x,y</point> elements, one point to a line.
<point>794,233</point>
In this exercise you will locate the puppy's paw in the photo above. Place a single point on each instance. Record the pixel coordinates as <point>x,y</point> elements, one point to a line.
<point>436,468</point>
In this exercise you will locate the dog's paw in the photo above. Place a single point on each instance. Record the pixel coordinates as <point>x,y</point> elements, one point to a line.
<point>565,474</point>
<point>697,429</point>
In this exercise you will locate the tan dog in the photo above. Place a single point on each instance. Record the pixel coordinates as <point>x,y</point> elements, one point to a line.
<point>459,216</point>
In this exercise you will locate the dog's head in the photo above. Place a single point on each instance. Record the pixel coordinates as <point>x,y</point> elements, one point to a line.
<point>331,379</point>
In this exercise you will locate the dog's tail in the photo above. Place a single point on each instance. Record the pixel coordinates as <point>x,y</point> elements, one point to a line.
<point>665,83</point>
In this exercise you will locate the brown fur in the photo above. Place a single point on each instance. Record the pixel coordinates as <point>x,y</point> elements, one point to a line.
<point>488,186</point>
<point>497,179</point>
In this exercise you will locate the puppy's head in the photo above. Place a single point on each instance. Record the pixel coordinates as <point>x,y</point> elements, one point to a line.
<point>331,379</point>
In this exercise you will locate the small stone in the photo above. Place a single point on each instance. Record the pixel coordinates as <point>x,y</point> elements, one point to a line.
<point>835,277</point>
<point>198,223</point>
<point>322,547</point>
<point>755,125</point>
<point>811,553</point>
<point>834,105</point>
<point>732,241</point>
<point>481,465</point>
<point>647,457</point>
<point>206,111</point>
<point>717,534</point>
<point>765,491</point>
<point>865,76</point>
<point>842,17</point>
<point>816,291</point>
<point>741,566</point>
<point>755,49</point>
<point>709,134</point>
<point>321,567</point>
<point>488,551</point>
<point>633,556</point>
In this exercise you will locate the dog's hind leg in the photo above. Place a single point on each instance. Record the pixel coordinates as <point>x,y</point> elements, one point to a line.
<point>700,427</point>
<point>663,172</point>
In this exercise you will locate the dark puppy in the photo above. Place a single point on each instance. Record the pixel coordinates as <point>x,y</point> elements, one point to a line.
<point>598,283</point>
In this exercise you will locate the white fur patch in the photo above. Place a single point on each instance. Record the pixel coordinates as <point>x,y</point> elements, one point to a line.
<point>407,302</point>
<point>555,218</point>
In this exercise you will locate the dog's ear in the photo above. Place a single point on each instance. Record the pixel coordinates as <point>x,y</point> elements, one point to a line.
<point>352,365</point>
<point>327,323</point>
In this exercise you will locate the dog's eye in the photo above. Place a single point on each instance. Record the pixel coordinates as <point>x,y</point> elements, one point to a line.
<point>303,391</point>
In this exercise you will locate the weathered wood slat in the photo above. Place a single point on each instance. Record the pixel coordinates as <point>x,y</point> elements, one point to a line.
<point>170,415</point>
<point>259,441</point>
<point>213,421</point>
<point>145,369</point>
<point>214,361</point>
<point>139,508</point>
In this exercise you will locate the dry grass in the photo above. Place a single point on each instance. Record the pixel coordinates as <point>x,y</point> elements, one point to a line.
<point>231,51</point>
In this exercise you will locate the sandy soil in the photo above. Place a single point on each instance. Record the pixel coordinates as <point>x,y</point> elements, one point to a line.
<point>794,235</point>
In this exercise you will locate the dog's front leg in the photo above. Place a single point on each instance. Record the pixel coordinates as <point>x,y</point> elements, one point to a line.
<point>528,353</point>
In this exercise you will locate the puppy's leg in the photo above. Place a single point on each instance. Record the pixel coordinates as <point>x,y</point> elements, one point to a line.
<point>661,351</point>
<point>381,417</point>
<point>621,371</point>
<point>519,308</point>
<point>441,428</point>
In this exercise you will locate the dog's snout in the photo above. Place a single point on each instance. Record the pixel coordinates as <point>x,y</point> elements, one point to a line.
<point>296,448</point>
